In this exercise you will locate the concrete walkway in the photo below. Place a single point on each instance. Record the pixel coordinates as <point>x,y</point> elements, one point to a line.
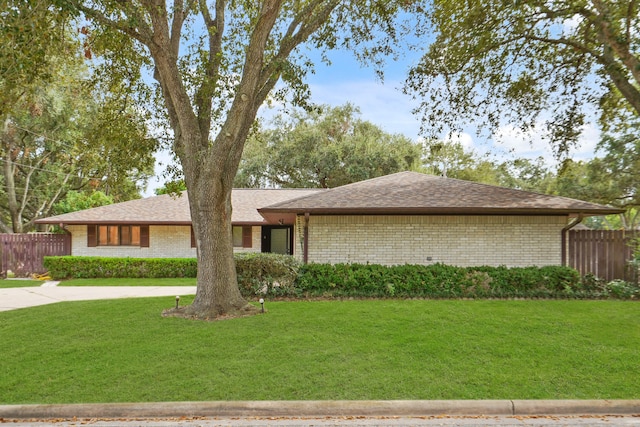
<point>15,298</point>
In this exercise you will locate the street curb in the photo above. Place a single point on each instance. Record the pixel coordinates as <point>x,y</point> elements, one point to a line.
<point>324,408</point>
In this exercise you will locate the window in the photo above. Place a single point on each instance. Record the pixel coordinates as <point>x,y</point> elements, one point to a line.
<point>118,235</point>
<point>237,236</point>
<point>242,237</point>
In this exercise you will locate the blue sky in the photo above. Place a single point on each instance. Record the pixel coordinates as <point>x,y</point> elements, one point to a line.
<point>384,104</point>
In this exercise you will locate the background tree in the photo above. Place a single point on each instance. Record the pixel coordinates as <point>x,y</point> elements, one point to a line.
<point>69,134</point>
<point>451,159</point>
<point>216,64</point>
<point>30,31</point>
<point>324,148</point>
<point>76,201</point>
<point>61,127</point>
<point>517,62</point>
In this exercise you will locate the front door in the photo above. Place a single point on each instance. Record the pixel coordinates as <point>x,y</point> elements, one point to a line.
<point>277,239</point>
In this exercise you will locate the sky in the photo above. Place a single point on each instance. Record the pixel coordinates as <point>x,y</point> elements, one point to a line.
<point>383,104</point>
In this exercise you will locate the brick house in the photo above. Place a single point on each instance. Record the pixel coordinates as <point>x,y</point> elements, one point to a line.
<point>406,217</point>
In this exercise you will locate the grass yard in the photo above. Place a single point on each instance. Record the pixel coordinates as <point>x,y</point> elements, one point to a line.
<point>26,283</point>
<point>124,351</point>
<point>182,281</point>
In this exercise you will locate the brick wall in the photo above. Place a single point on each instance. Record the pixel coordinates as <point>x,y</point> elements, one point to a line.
<point>456,240</point>
<point>165,241</point>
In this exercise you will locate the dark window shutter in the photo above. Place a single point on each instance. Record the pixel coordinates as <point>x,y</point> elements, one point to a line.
<point>247,238</point>
<point>193,238</point>
<point>144,236</point>
<point>92,236</point>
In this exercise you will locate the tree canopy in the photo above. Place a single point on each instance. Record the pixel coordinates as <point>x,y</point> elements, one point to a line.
<point>324,148</point>
<point>61,128</point>
<point>527,61</point>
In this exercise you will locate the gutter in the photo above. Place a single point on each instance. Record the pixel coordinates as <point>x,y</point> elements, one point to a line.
<point>563,235</point>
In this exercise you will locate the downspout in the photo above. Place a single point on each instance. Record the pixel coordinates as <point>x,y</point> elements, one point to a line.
<point>563,234</point>
<point>305,249</point>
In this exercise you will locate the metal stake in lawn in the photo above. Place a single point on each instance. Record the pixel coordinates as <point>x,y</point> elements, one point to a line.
<point>262,304</point>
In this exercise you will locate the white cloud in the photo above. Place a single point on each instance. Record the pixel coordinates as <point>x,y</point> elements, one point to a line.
<point>530,144</point>
<point>465,139</point>
<point>523,144</point>
<point>382,104</point>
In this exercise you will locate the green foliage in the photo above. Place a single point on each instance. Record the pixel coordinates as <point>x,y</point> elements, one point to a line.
<point>65,130</point>
<point>81,267</point>
<point>275,275</point>
<point>258,273</point>
<point>32,34</point>
<point>444,281</point>
<point>266,274</point>
<point>517,62</point>
<point>324,148</point>
<point>171,187</point>
<point>76,201</point>
<point>623,290</point>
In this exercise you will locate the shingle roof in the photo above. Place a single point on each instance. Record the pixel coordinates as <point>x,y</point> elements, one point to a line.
<point>417,193</point>
<point>167,209</point>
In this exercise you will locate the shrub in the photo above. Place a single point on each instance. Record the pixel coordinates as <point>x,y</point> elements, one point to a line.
<point>266,274</point>
<point>257,272</point>
<point>82,267</point>
<point>436,281</point>
<point>277,275</point>
<point>622,290</point>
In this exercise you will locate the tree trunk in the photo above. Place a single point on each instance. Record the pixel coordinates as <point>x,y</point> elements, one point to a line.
<point>7,170</point>
<point>217,292</point>
<point>209,179</point>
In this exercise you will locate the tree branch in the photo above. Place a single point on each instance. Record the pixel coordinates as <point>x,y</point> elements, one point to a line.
<point>305,27</point>
<point>612,40</point>
<point>244,105</point>
<point>143,34</point>
<point>204,94</point>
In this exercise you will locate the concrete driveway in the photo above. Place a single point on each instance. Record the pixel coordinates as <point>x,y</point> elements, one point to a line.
<point>15,298</point>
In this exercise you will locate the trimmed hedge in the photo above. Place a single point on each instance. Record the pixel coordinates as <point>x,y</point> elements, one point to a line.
<point>87,267</point>
<point>257,272</point>
<point>283,276</point>
<point>436,281</point>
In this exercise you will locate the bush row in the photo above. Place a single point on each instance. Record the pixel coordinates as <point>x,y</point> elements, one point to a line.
<point>283,276</point>
<point>86,267</point>
<point>257,272</point>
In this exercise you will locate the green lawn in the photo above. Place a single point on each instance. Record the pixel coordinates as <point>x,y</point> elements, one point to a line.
<point>182,281</point>
<point>20,283</point>
<point>123,350</point>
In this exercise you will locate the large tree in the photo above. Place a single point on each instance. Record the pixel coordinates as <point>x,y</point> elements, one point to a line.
<point>61,128</point>
<point>326,147</point>
<point>32,34</point>
<point>520,62</point>
<point>216,63</point>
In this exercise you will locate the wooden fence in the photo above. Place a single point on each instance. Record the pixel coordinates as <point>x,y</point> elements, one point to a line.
<point>23,254</point>
<point>603,253</point>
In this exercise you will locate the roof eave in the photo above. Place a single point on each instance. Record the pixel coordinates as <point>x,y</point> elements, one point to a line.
<point>440,211</point>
